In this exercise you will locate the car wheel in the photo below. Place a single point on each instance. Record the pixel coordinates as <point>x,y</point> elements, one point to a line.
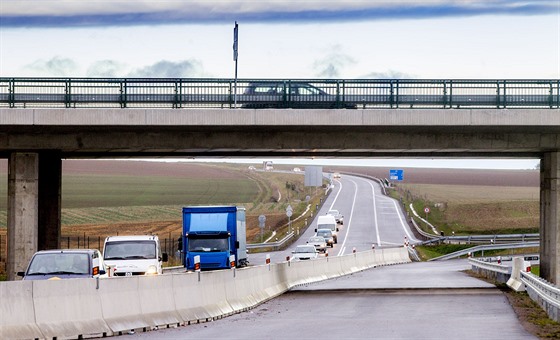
<point>332,245</point>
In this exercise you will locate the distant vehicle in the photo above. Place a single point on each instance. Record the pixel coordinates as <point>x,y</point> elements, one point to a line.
<point>328,222</point>
<point>337,216</point>
<point>318,242</point>
<point>267,166</point>
<point>134,255</point>
<point>296,95</point>
<point>327,235</point>
<point>64,264</point>
<point>336,175</point>
<point>296,170</point>
<point>252,168</point>
<point>304,252</point>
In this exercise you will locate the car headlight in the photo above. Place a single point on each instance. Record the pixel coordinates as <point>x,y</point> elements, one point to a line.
<point>152,270</point>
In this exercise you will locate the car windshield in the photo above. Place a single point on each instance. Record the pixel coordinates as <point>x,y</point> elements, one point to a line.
<point>59,263</point>
<point>305,249</point>
<point>130,250</point>
<point>317,239</point>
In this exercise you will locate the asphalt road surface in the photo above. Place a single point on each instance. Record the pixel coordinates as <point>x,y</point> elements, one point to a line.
<point>433,300</point>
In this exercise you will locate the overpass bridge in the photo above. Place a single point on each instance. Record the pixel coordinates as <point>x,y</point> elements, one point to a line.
<point>43,121</point>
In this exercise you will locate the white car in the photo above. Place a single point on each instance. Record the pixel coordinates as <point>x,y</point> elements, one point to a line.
<point>304,252</point>
<point>318,242</point>
<point>337,216</point>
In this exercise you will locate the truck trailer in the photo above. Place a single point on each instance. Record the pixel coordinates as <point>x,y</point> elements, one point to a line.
<point>214,233</point>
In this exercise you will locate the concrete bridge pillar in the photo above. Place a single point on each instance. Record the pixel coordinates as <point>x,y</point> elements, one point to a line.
<point>34,186</point>
<point>550,217</point>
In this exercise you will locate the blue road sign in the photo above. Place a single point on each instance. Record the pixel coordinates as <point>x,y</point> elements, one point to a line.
<point>396,174</point>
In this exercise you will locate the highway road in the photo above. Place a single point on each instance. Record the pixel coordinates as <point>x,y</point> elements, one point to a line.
<point>370,218</point>
<point>421,300</point>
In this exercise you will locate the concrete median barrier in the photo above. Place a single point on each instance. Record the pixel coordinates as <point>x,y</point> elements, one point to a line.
<point>120,302</point>
<point>17,313</point>
<point>68,308</point>
<point>212,287</point>
<point>157,301</point>
<point>189,303</point>
<point>125,303</point>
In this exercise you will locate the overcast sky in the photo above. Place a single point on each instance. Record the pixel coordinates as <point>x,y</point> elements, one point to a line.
<point>495,39</point>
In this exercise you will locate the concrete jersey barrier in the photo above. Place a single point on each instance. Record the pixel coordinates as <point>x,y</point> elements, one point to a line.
<point>90,307</point>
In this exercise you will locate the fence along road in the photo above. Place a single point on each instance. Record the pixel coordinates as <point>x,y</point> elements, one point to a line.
<point>277,93</point>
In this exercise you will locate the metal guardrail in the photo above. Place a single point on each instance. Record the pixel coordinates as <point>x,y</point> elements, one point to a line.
<point>275,245</point>
<point>500,268</point>
<point>541,291</point>
<point>474,239</point>
<point>544,293</point>
<point>473,250</point>
<point>277,93</point>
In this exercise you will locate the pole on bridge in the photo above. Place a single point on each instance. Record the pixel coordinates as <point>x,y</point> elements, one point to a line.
<point>235,50</point>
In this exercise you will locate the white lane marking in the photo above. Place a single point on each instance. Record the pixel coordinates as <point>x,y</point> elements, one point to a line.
<point>410,237</point>
<point>375,214</point>
<point>338,193</point>
<point>342,247</point>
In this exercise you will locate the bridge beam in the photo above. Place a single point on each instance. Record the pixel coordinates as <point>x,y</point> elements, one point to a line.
<point>550,217</point>
<point>34,186</point>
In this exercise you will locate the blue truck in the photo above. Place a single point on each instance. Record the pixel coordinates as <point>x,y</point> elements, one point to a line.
<point>214,233</point>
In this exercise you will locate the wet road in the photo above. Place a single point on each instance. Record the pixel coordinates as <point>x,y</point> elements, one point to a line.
<point>434,300</point>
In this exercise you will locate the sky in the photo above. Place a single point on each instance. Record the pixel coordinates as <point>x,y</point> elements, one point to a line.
<point>305,39</point>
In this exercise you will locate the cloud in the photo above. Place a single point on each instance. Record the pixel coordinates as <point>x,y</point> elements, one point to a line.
<point>54,67</point>
<point>169,69</point>
<point>41,13</point>
<point>66,67</point>
<point>106,69</point>
<point>390,74</point>
<point>332,64</point>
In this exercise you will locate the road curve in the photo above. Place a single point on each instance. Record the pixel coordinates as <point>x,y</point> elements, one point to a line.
<point>370,218</point>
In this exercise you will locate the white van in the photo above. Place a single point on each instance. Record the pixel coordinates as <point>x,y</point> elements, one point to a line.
<point>328,222</point>
<point>133,255</point>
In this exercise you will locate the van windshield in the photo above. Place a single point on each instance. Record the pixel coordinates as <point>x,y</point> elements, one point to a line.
<point>327,226</point>
<point>129,250</point>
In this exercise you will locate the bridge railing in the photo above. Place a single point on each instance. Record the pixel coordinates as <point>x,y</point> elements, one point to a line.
<point>277,93</point>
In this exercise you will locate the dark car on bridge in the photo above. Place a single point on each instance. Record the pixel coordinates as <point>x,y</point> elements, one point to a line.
<point>294,95</point>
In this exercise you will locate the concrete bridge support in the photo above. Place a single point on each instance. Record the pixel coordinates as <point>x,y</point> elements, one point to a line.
<point>550,217</point>
<point>34,200</point>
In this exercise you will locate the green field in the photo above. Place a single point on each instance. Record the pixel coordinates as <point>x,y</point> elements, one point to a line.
<point>121,191</point>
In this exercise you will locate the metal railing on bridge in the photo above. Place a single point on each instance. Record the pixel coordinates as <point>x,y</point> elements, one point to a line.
<point>276,93</point>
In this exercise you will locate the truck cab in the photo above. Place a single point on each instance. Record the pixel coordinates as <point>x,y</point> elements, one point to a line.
<point>213,234</point>
<point>133,255</point>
